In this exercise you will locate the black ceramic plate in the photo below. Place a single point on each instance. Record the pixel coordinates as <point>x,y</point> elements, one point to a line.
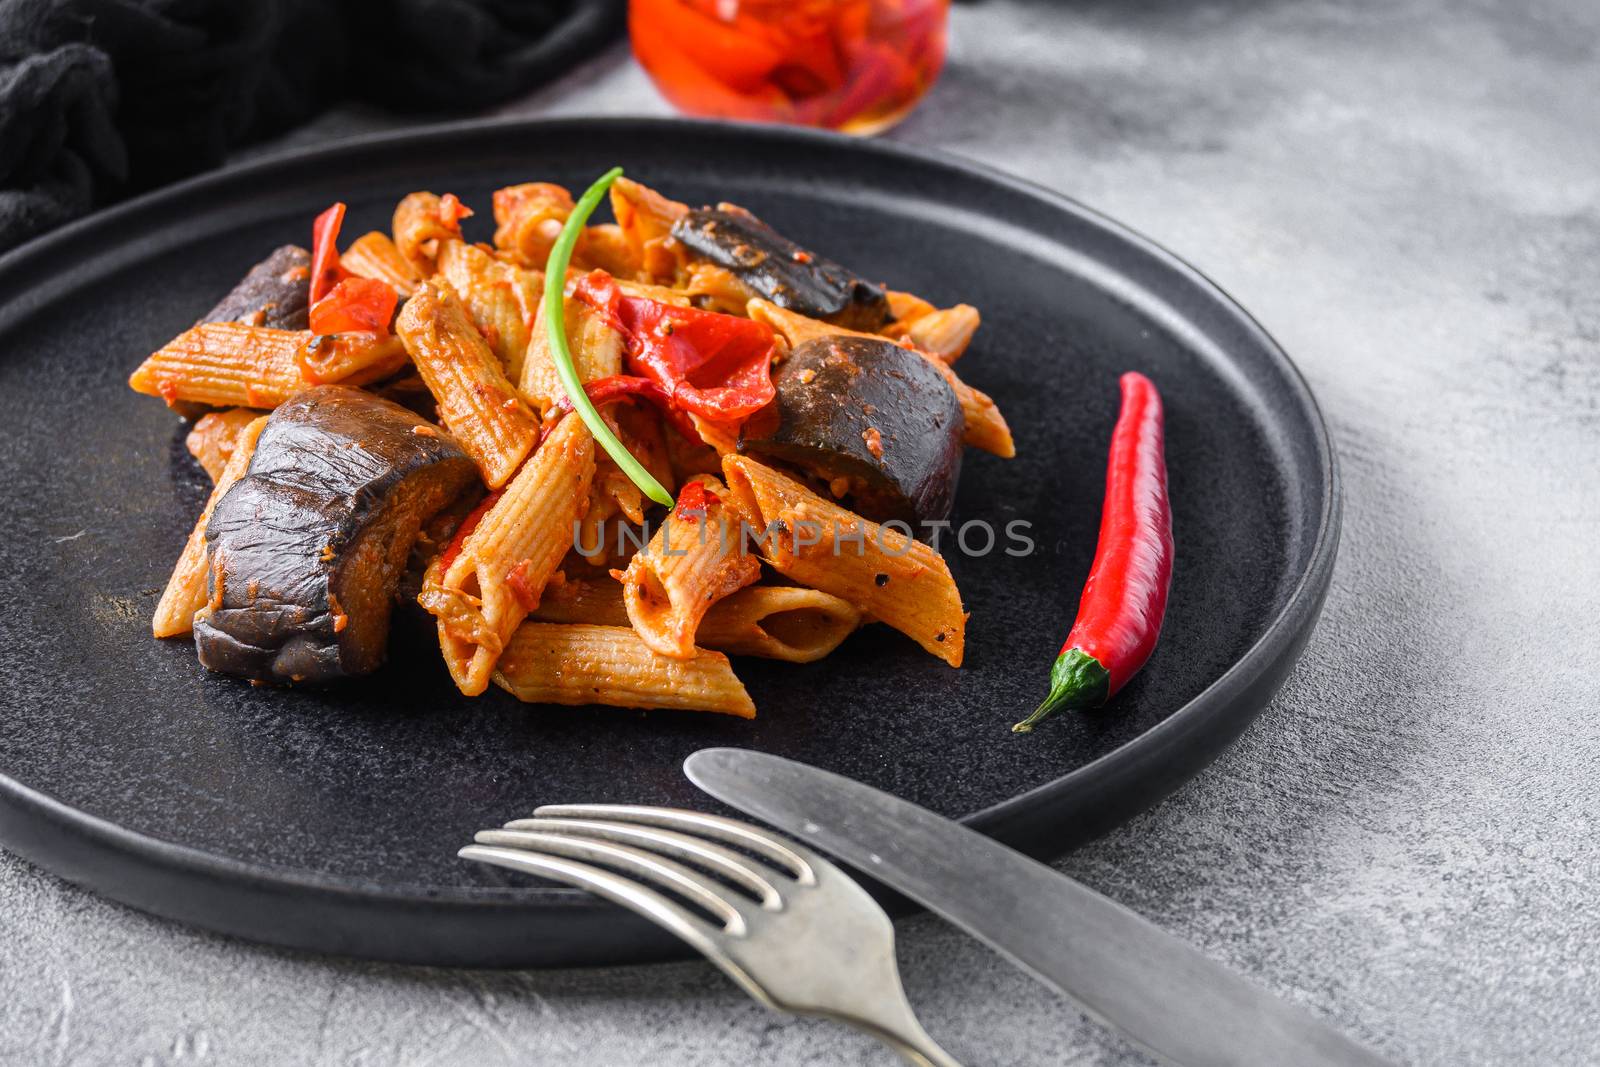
<point>330,820</point>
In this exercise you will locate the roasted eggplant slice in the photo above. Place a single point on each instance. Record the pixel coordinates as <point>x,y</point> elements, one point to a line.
<point>307,548</point>
<point>273,294</point>
<point>774,267</point>
<point>871,419</point>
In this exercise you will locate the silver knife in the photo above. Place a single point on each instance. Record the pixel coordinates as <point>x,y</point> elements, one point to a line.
<point>1158,990</point>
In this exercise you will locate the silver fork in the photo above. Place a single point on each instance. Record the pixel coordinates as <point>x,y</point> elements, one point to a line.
<point>798,935</point>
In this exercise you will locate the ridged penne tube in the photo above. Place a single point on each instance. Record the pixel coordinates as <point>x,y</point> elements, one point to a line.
<point>605,247</point>
<point>882,572</point>
<point>476,402</point>
<point>215,437</point>
<point>224,364</point>
<point>185,593</point>
<point>985,427</point>
<point>645,218</point>
<point>556,663</point>
<point>374,255</point>
<point>906,307</point>
<point>596,353</point>
<point>528,219</point>
<point>502,299</point>
<point>419,227</point>
<point>349,358</point>
<point>716,288</point>
<point>694,560</point>
<point>782,622</point>
<point>483,593</point>
<point>650,291</point>
<point>638,427</point>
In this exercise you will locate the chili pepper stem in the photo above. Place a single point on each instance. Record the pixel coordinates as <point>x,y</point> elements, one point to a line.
<point>1077,681</point>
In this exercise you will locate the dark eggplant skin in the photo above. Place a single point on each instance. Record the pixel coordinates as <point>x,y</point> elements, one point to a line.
<point>775,268</point>
<point>274,293</point>
<point>873,412</point>
<point>307,548</point>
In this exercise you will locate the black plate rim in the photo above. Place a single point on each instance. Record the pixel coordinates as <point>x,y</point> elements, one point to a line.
<point>77,845</point>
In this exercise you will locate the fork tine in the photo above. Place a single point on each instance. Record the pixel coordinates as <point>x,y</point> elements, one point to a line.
<point>637,898</point>
<point>721,861</point>
<point>729,831</point>
<point>642,865</point>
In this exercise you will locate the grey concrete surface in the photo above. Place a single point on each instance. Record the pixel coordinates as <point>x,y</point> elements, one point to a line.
<point>1408,195</point>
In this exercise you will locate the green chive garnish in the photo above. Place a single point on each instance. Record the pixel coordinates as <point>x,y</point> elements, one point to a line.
<point>555,317</point>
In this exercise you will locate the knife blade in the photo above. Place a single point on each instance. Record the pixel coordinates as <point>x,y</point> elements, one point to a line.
<point>1158,990</point>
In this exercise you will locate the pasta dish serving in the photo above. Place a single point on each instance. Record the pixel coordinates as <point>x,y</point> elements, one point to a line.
<point>601,457</point>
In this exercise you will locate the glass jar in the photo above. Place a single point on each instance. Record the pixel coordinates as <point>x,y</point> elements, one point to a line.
<point>854,65</point>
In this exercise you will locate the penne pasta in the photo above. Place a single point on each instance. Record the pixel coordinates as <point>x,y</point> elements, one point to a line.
<point>482,593</point>
<point>528,219</point>
<point>215,437</point>
<point>374,255</point>
<point>476,403</point>
<point>985,427</point>
<point>885,574</point>
<point>650,291</point>
<point>694,560</point>
<point>185,593</point>
<point>349,358</point>
<point>782,622</point>
<point>552,578</point>
<point>419,227</point>
<point>596,353</point>
<point>645,218</point>
<point>907,307</point>
<point>556,663</point>
<point>716,288</point>
<point>638,427</point>
<point>605,247</point>
<point>224,364</point>
<point>502,299</point>
<point>945,333</point>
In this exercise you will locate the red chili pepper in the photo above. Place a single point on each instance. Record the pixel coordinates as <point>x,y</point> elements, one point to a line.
<point>326,272</point>
<point>1125,598</point>
<point>716,366</point>
<point>355,305</point>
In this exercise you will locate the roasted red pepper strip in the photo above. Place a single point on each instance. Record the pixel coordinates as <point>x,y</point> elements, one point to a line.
<point>617,387</point>
<point>693,501</point>
<point>1125,598</point>
<point>326,272</point>
<point>355,305</point>
<point>716,366</point>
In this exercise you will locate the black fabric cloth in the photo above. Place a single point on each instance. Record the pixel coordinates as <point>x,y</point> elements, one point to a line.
<point>100,99</point>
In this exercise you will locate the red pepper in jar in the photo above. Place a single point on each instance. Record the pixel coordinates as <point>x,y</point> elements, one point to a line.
<point>1125,598</point>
